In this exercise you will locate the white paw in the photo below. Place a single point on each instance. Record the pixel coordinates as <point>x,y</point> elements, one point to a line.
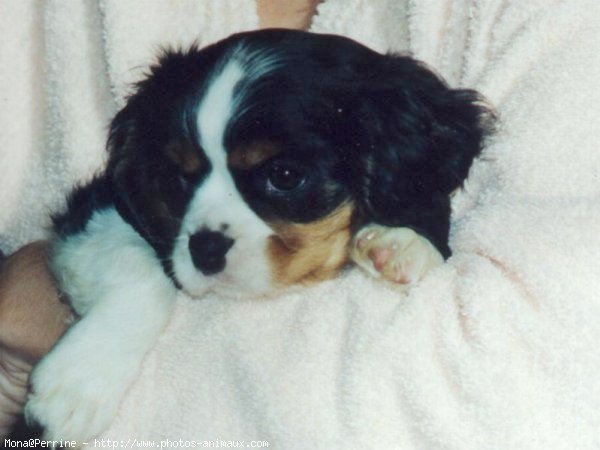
<point>399,255</point>
<point>75,396</point>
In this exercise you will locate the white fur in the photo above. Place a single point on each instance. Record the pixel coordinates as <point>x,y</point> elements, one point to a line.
<point>217,204</point>
<point>117,285</point>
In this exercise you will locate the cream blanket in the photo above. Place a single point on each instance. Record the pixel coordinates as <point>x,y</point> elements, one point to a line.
<point>499,348</point>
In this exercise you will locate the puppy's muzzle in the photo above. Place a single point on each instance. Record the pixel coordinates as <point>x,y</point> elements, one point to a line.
<point>208,250</point>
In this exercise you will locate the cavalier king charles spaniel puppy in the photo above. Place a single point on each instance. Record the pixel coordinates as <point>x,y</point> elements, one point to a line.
<point>268,160</point>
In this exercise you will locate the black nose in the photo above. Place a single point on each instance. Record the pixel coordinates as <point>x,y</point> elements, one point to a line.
<point>208,249</point>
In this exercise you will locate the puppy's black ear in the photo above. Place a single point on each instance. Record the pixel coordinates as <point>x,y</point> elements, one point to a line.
<point>153,163</point>
<point>134,181</point>
<point>126,176</point>
<point>415,140</point>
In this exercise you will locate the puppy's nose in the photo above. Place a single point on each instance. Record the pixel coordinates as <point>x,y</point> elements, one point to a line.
<point>208,250</point>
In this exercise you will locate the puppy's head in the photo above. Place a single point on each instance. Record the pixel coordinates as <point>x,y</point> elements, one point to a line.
<point>248,164</point>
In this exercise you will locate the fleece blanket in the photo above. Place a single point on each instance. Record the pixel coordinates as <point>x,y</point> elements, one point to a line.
<point>498,348</point>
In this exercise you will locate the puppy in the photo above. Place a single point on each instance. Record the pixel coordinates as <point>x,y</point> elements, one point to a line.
<point>264,161</point>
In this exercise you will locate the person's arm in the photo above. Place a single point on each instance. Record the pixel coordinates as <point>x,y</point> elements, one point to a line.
<point>32,318</point>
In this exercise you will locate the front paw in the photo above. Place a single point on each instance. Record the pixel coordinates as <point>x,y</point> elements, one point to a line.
<point>399,255</point>
<point>75,398</point>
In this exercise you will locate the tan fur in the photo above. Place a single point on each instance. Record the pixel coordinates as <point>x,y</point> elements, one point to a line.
<point>183,153</point>
<point>308,253</point>
<point>250,156</point>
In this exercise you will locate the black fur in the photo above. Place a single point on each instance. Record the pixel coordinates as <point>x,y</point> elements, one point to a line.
<point>381,131</point>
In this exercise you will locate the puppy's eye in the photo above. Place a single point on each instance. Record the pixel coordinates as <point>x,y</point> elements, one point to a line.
<point>283,177</point>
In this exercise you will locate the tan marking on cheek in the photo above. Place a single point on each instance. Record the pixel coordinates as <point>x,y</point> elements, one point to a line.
<point>249,156</point>
<point>308,253</point>
<point>183,153</point>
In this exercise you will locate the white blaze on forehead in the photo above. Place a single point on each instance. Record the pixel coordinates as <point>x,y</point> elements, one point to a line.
<point>219,105</point>
<point>217,201</point>
<point>217,108</point>
<point>217,196</point>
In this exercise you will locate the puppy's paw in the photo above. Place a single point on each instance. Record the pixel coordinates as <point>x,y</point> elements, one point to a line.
<point>75,398</point>
<point>399,255</point>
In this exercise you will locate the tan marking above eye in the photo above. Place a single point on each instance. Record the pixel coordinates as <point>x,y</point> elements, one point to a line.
<point>310,252</point>
<point>251,155</point>
<point>183,153</point>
